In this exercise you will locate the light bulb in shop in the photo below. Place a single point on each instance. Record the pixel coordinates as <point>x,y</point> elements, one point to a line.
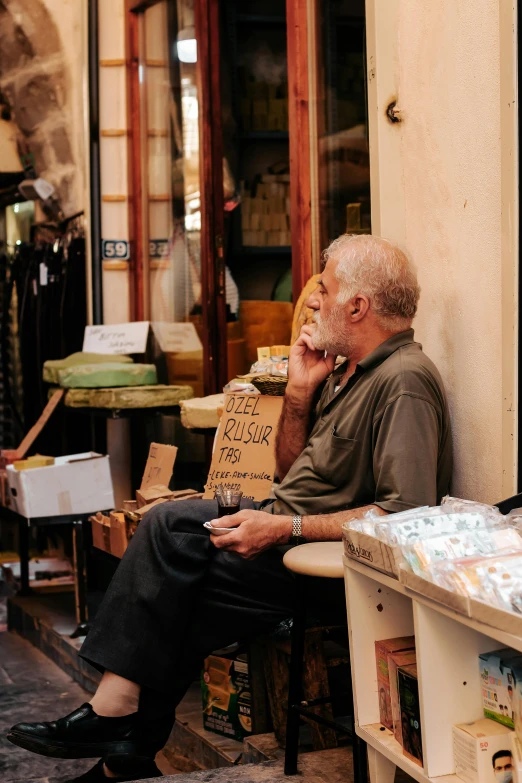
<point>17,207</point>
<point>187,46</point>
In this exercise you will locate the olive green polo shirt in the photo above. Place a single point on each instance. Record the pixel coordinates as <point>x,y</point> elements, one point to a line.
<point>383,438</point>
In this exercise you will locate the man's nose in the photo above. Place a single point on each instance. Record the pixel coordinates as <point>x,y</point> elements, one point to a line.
<point>313,301</point>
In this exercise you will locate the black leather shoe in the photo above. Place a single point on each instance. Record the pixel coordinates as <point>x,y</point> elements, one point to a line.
<point>137,769</point>
<point>80,735</point>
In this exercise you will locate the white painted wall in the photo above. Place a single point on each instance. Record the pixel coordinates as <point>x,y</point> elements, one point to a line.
<point>443,188</point>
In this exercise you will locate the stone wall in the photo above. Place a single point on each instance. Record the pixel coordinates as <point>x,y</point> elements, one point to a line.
<point>41,78</point>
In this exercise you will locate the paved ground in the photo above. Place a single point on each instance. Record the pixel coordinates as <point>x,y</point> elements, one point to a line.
<point>33,688</point>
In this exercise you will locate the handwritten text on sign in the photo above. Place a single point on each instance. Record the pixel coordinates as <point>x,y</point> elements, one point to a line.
<point>244,452</point>
<point>116,338</point>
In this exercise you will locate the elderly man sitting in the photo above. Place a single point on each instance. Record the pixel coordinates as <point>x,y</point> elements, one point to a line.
<point>372,434</point>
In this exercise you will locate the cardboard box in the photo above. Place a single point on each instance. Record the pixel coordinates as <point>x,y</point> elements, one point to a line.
<point>408,685</point>
<point>226,697</point>
<point>109,533</point>
<point>383,649</point>
<point>495,617</point>
<point>145,497</point>
<point>159,466</point>
<point>475,746</point>
<point>517,700</point>
<point>118,537</point>
<point>498,684</point>
<point>459,603</point>
<point>516,749</point>
<point>396,660</point>
<point>101,532</point>
<point>372,552</point>
<point>76,484</point>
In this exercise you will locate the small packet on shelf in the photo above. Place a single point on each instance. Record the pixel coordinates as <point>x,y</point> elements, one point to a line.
<point>422,555</point>
<point>430,523</point>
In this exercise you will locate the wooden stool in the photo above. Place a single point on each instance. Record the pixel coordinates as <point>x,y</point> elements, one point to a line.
<point>322,559</point>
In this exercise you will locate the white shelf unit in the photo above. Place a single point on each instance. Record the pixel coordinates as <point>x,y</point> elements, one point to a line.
<point>447,644</point>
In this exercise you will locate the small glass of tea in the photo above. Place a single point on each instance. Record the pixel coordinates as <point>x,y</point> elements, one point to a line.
<point>229,501</point>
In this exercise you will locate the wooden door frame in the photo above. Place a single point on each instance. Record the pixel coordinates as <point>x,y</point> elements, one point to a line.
<point>213,295</point>
<point>297,27</point>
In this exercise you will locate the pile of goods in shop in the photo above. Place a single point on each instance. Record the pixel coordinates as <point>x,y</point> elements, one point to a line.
<point>467,548</point>
<point>482,748</point>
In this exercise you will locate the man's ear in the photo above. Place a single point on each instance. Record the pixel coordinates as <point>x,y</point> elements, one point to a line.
<point>359,306</point>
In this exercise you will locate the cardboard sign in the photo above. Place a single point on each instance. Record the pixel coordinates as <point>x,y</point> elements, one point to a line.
<point>116,338</point>
<point>177,337</point>
<point>160,465</point>
<point>244,452</point>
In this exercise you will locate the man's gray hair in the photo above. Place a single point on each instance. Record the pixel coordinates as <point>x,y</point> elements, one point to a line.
<point>374,267</point>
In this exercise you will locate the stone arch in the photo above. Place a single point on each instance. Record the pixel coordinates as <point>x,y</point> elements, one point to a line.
<point>35,82</point>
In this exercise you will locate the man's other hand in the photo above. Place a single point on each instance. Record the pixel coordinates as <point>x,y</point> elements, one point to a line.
<point>307,367</point>
<point>251,532</point>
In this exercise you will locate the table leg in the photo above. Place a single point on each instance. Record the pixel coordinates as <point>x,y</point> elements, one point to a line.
<point>23,531</point>
<point>80,581</point>
<point>382,770</point>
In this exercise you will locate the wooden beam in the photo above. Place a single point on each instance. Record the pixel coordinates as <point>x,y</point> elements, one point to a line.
<point>299,127</point>
<point>212,207</point>
<point>134,163</point>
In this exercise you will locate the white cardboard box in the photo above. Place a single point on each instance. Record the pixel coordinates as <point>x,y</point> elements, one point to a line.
<point>475,745</point>
<point>372,552</point>
<point>76,484</point>
<point>517,758</point>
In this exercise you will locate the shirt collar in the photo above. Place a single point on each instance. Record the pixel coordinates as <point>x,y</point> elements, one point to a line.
<point>386,348</point>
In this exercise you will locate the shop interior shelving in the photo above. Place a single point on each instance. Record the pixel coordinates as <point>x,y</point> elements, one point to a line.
<point>255,268</point>
<point>447,645</point>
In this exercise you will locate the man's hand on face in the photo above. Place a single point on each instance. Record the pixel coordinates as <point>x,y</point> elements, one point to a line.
<point>251,532</point>
<point>308,367</point>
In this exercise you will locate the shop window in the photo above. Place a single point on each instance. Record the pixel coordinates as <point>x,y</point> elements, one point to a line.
<point>339,122</point>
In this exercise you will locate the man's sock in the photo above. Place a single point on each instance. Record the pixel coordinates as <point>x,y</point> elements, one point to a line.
<point>115,697</point>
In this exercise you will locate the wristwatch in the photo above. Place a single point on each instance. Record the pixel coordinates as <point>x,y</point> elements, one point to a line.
<point>297,537</point>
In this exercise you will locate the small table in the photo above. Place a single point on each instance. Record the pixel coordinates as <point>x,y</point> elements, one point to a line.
<point>80,575</point>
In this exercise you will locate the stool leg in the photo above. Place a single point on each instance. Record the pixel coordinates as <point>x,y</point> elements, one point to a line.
<point>295,684</point>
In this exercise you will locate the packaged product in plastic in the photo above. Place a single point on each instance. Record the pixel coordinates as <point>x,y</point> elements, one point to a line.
<point>468,575</point>
<point>423,554</point>
<point>432,522</point>
<point>459,505</point>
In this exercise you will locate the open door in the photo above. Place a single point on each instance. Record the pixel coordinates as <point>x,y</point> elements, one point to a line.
<point>176,180</point>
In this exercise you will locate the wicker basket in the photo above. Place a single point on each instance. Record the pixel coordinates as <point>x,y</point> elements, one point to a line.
<point>273,385</point>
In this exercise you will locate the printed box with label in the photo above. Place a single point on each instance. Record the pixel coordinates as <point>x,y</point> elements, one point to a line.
<point>76,484</point>
<point>383,649</point>
<point>482,751</point>
<point>408,685</point>
<point>226,696</point>
<point>498,684</point>
<point>395,661</point>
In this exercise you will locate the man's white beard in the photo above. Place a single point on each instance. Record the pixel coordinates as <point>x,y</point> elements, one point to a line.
<point>331,334</point>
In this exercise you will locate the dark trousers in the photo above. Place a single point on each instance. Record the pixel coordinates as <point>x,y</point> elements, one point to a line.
<point>174,599</point>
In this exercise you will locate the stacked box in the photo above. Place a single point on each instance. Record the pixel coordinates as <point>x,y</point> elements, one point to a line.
<point>395,661</point>
<point>476,749</point>
<point>408,685</point>
<point>226,697</point>
<point>383,649</point>
<point>498,684</point>
<point>265,212</point>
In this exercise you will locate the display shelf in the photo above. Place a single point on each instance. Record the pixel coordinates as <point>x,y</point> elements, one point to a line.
<point>503,637</point>
<point>447,644</point>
